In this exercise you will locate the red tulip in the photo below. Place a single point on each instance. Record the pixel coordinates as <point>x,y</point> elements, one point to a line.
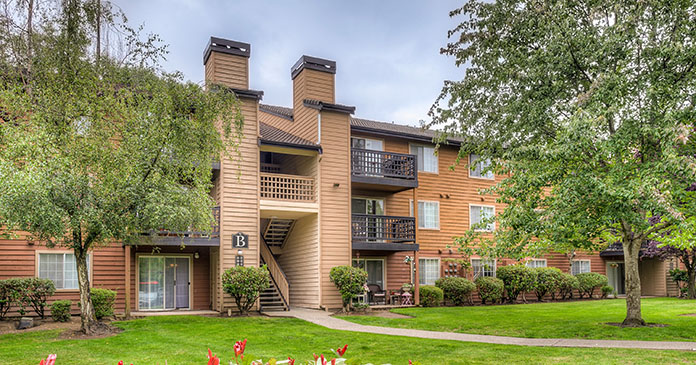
<point>291,361</point>
<point>213,360</point>
<point>50,360</point>
<point>315,357</point>
<point>410,362</point>
<point>120,362</point>
<point>342,351</point>
<point>239,347</point>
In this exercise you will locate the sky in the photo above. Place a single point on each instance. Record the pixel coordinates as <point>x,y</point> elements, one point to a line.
<point>387,52</point>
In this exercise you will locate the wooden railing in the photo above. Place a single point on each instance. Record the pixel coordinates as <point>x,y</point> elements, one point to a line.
<point>368,228</point>
<point>383,164</point>
<point>214,228</point>
<point>287,187</point>
<point>277,274</point>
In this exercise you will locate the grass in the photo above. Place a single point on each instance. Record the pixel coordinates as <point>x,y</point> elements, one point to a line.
<point>579,319</point>
<point>185,340</point>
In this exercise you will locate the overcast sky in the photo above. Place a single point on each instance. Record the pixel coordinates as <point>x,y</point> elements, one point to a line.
<point>387,52</point>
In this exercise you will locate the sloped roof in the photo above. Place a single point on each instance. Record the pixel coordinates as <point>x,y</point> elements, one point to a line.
<point>275,136</point>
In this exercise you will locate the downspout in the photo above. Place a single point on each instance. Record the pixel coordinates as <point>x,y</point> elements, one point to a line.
<point>319,127</point>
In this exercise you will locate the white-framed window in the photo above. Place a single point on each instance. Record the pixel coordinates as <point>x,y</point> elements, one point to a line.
<point>367,143</point>
<point>428,214</point>
<point>580,266</point>
<point>427,159</point>
<point>536,263</point>
<point>477,166</point>
<point>478,213</point>
<point>61,268</point>
<point>483,267</point>
<point>428,271</point>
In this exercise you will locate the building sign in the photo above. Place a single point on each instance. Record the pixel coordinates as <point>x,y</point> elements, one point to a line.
<point>240,240</point>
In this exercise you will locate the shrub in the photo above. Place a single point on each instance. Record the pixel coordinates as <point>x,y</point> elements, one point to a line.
<point>589,281</point>
<point>60,310</point>
<point>245,284</point>
<point>430,296</point>
<point>566,285</point>
<point>517,279</point>
<point>606,290</point>
<point>29,292</point>
<point>103,302</point>
<point>456,290</point>
<point>5,298</point>
<point>547,281</point>
<point>489,289</point>
<point>350,282</point>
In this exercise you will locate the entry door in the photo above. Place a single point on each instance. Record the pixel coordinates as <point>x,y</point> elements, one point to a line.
<point>616,273</point>
<point>164,282</point>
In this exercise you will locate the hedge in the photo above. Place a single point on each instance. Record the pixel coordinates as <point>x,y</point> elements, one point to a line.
<point>489,289</point>
<point>430,296</point>
<point>457,290</point>
<point>25,293</point>
<point>547,281</point>
<point>517,279</point>
<point>566,285</point>
<point>60,310</point>
<point>589,281</point>
<point>103,302</point>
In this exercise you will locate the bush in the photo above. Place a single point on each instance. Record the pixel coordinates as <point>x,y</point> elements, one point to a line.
<point>489,289</point>
<point>245,284</point>
<point>60,310</point>
<point>28,292</point>
<point>589,281</point>
<point>606,290</point>
<point>350,282</point>
<point>5,298</point>
<point>103,302</point>
<point>430,296</point>
<point>517,279</point>
<point>566,285</point>
<point>456,290</point>
<point>547,281</point>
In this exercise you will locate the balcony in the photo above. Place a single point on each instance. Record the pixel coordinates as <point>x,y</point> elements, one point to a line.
<point>294,188</point>
<point>387,171</point>
<point>191,237</point>
<point>383,233</point>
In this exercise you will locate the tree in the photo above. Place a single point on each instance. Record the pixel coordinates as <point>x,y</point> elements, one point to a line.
<point>102,152</point>
<point>585,105</point>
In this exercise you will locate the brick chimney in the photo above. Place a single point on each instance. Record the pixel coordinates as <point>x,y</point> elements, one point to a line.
<point>227,63</point>
<point>312,79</point>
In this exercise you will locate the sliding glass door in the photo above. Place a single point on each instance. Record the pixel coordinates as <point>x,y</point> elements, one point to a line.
<point>163,282</point>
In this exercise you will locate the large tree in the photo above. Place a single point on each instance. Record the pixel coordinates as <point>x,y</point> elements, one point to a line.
<point>585,104</point>
<point>94,148</point>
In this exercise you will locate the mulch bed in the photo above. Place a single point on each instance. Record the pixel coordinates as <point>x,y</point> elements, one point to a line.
<point>69,330</point>
<point>617,324</point>
<point>688,315</point>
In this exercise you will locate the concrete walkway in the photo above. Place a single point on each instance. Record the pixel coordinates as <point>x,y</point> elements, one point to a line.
<point>324,319</point>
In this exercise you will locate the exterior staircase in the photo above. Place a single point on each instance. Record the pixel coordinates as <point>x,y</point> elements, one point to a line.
<point>277,296</point>
<point>271,301</point>
<point>277,231</point>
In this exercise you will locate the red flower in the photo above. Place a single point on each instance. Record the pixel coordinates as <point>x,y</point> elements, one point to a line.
<point>291,361</point>
<point>50,360</point>
<point>342,351</point>
<point>410,362</point>
<point>212,360</point>
<point>239,347</point>
<point>315,357</point>
<point>120,362</point>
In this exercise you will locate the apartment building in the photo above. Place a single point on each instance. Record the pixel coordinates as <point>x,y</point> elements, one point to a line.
<point>314,187</point>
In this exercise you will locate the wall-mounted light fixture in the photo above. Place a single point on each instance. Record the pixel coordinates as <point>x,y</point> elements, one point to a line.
<point>336,185</point>
<point>196,255</point>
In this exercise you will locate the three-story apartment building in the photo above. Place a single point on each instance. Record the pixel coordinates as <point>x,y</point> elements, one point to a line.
<point>313,187</point>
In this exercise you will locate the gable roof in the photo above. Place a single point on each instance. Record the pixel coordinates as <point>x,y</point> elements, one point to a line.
<point>271,135</point>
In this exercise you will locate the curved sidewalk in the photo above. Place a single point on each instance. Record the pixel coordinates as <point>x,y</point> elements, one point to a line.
<point>324,319</point>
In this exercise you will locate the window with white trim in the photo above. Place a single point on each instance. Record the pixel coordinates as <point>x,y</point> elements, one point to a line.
<point>580,266</point>
<point>427,159</point>
<point>428,214</point>
<point>536,263</point>
<point>61,268</point>
<point>483,267</point>
<point>477,166</point>
<point>479,213</point>
<point>428,271</point>
<point>366,143</point>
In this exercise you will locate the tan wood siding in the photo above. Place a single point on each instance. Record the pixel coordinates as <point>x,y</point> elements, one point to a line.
<point>229,70</point>
<point>298,260</point>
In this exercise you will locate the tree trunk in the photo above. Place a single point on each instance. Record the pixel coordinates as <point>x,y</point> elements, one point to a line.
<point>631,248</point>
<point>689,260</point>
<point>89,323</point>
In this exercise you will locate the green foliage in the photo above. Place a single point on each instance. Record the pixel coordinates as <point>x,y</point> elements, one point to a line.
<point>350,281</point>
<point>457,290</point>
<point>547,281</point>
<point>245,284</point>
<point>60,310</point>
<point>606,290</point>
<point>589,281</point>
<point>679,276</point>
<point>517,279</point>
<point>430,296</point>
<point>6,298</point>
<point>489,289</point>
<point>566,285</point>
<point>103,301</point>
<point>26,292</point>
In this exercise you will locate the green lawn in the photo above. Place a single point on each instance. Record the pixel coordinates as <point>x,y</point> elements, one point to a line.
<point>579,319</point>
<point>184,340</point>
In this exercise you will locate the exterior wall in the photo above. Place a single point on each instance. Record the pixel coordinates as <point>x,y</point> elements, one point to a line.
<point>229,70</point>
<point>299,260</point>
<point>276,121</point>
<point>315,85</point>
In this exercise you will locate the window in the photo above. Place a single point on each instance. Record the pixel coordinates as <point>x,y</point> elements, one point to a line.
<point>477,167</point>
<point>427,159</point>
<point>483,267</point>
<point>367,206</point>
<point>61,268</point>
<point>366,143</point>
<point>536,263</point>
<point>428,271</point>
<point>480,213</point>
<point>580,266</point>
<point>428,214</point>
<point>375,271</point>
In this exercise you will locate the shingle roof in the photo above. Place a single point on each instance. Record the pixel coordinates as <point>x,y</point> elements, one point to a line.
<point>273,135</point>
<point>368,125</point>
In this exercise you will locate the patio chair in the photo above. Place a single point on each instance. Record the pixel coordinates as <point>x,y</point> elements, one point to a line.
<point>377,295</point>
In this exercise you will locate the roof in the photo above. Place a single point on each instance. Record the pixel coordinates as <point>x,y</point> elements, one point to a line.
<point>371,126</point>
<point>273,136</point>
<point>616,249</point>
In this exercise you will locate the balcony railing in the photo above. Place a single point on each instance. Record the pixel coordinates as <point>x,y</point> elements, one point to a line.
<point>371,163</point>
<point>214,228</point>
<point>287,187</point>
<point>368,228</point>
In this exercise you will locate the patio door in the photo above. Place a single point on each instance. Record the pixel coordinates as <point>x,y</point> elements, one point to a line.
<point>164,283</point>
<point>616,273</point>
<point>375,270</point>
<point>373,226</point>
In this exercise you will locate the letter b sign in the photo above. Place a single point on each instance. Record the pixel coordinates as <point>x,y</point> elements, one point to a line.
<point>240,240</point>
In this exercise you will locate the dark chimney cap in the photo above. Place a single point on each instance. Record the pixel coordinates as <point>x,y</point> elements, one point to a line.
<point>312,63</point>
<point>226,46</point>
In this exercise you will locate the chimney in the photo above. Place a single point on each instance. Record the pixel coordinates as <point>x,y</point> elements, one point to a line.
<point>313,78</point>
<point>227,63</point>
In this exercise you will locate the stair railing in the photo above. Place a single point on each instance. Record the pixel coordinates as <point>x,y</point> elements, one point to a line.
<point>277,275</point>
